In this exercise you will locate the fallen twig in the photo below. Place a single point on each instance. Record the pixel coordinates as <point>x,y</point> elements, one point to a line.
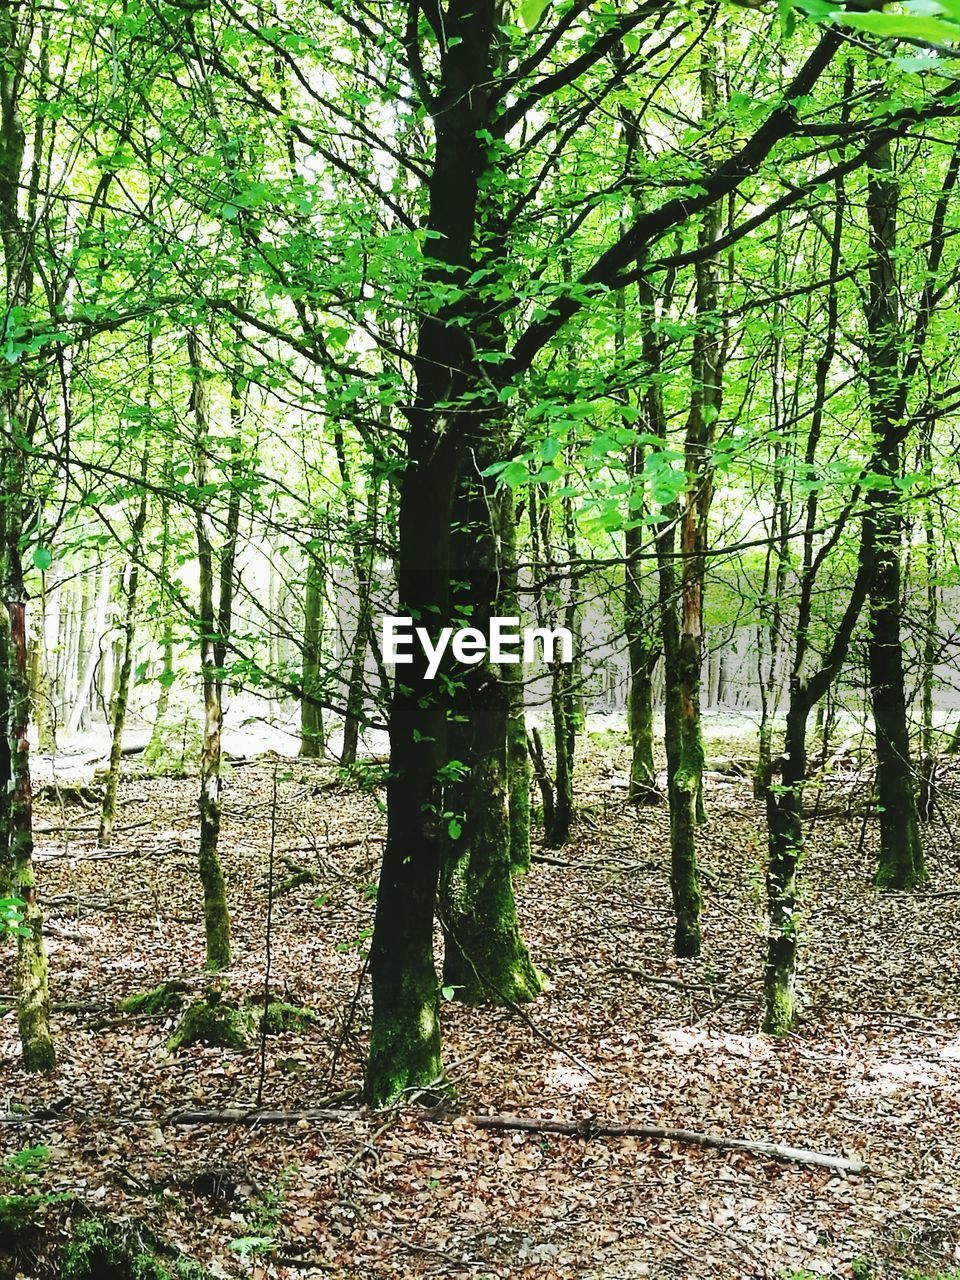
<point>593,1129</point>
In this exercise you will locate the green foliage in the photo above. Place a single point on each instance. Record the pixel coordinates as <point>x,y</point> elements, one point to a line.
<point>262,1224</point>
<point>103,1249</point>
<point>11,917</point>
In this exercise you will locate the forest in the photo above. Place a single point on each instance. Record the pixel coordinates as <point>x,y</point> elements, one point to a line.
<point>480,639</point>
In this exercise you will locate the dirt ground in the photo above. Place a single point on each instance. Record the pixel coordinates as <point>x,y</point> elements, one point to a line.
<point>625,1033</point>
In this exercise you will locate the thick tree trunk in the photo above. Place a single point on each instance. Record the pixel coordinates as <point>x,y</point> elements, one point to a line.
<point>484,956</point>
<point>311,715</point>
<point>405,1032</point>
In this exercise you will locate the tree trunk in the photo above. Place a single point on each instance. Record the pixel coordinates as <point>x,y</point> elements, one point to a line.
<point>311,715</point>
<point>684,879</point>
<point>785,848</point>
<point>48,641</point>
<point>484,955</point>
<point>80,716</point>
<point>108,813</point>
<point>900,864</point>
<point>215,911</point>
<point>17,427</point>
<point>518,760</point>
<point>927,801</point>
<point>405,1032</point>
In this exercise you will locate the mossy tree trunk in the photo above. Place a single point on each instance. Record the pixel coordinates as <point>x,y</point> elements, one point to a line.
<point>784,801</point>
<point>20,411</point>
<point>900,862</point>
<point>311,714</point>
<point>643,647</point>
<point>787,775</point>
<point>405,1032</point>
<point>212,652</point>
<point>684,879</point>
<point>51,675</point>
<point>643,653</point>
<point>484,955</point>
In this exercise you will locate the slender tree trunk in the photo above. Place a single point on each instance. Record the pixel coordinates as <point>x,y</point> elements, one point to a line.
<point>17,425</point>
<point>155,747</point>
<point>927,803</point>
<point>684,879</point>
<point>364,556</point>
<point>311,715</point>
<point>216,913</point>
<point>643,653</point>
<point>518,760</point>
<point>108,813</point>
<point>900,864</point>
<point>80,715</point>
<point>48,641</point>
<point>785,849</point>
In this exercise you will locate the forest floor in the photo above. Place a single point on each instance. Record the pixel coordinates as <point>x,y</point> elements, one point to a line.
<point>625,1033</point>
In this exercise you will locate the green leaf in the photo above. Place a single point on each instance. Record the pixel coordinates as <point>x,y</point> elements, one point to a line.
<point>903,26</point>
<point>42,558</point>
<point>531,11</point>
<point>250,1244</point>
<point>454,829</point>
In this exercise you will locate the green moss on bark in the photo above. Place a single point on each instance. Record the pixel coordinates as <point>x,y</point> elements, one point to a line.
<point>684,879</point>
<point>164,998</point>
<point>215,1022</point>
<point>405,1043</point>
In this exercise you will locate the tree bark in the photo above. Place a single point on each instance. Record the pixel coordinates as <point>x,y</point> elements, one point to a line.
<point>484,955</point>
<point>405,1032</point>
<point>900,863</point>
<point>311,715</point>
<point>215,910</point>
<point>108,813</point>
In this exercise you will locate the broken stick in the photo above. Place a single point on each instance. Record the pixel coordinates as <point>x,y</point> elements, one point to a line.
<point>594,1129</point>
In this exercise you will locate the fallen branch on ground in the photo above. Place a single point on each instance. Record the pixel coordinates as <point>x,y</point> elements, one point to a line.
<point>593,1129</point>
